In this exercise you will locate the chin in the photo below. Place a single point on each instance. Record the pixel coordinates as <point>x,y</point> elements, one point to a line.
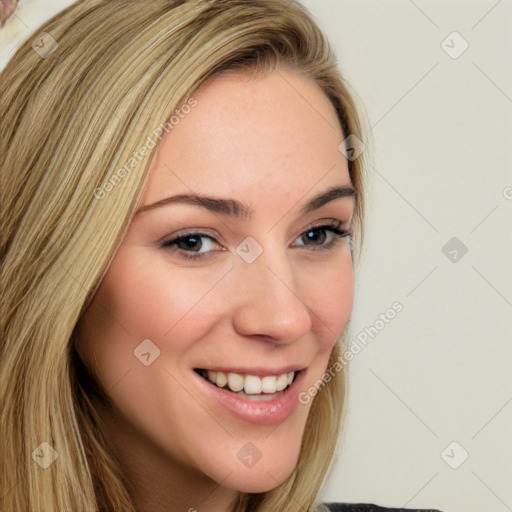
<point>256,484</point>
<point>257,479</point>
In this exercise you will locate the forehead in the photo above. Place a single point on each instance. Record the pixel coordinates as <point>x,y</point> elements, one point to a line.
<point>251,135</point>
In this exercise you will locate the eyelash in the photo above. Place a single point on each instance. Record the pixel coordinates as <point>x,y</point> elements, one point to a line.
<point>332,226</point>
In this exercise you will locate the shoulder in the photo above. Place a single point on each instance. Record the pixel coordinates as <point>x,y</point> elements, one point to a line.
<point>367,507</point>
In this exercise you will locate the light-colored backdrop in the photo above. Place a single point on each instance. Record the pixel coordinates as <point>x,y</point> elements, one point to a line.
<point>430,403</point>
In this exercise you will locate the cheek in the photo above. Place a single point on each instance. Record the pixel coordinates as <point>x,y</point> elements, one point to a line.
<point>156,301</point>
<point>153,294</point>
<point>330,293</point>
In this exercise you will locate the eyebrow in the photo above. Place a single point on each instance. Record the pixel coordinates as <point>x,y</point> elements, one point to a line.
<point>241,210</point>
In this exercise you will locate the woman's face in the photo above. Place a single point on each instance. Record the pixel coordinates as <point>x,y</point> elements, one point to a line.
<point>200,283</point>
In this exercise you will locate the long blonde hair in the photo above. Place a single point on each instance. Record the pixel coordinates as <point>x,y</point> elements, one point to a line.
<point>78,100</point>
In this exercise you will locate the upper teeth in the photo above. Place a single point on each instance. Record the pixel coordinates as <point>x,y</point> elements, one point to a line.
<point>251,384</point>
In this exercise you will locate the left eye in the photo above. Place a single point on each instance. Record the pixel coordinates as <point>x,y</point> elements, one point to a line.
<point>317,236</point>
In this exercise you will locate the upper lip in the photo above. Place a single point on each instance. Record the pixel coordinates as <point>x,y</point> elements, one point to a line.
<point>256,370</point>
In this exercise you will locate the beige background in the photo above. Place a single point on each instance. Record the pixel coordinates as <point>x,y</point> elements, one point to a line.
<point>440,372</point>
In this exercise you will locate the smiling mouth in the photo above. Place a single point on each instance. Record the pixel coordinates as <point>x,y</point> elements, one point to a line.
<point>250,386</point>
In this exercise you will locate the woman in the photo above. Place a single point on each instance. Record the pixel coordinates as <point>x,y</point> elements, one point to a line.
<point>181,185</point>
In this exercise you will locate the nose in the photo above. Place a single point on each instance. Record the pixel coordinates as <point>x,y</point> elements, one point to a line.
<point>269,303</point>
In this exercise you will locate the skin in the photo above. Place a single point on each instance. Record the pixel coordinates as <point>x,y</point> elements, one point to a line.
<point>272,143</point>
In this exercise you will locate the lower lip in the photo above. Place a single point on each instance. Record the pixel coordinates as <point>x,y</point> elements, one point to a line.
<point>271,412</point>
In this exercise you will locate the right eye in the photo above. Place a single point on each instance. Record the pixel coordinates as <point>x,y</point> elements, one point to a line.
<point>191,245</point>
